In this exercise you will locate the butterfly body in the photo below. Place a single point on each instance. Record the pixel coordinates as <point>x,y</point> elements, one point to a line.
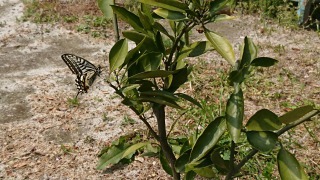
<point>85,71</point>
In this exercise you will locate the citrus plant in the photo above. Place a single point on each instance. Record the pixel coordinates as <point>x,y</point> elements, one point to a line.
<point>149,76</point>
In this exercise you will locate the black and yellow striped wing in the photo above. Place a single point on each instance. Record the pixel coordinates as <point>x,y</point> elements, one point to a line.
<point>85,71</point>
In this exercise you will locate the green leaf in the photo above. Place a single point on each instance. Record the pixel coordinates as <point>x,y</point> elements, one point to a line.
<point>145,85</point>
<point>223,17</point>
<point>172,5</point>
<point>171,15</point>
<point>295,114</point>
<point>203,167</point>
<point>182,161</point>
<point>151,74</point>
<point>200,48</point>
<point>205,172</point>
<point>220,164</point>
<point>150,61</point>
<point>208,139</point>
<point>129,17</point>
<point>263,141</point>
<point>180,76</point>
<point>159,100</point>
<point>263,120</point>
<point>159,93</point>
<point>148,42</point>
<point>165,164</point>
<point>129,88</point>
<point>236,76</point>
<point>145,21</point>
<point>132,55</point>
<point>118,54</point>
<point>115,154</point>
<point>217,5</point>
<point>190,175</point>
<point>189,98</point>
<point>234,115</point>
<point>132,149</point>
<point>163,30</point>
<point>194,49</point>
<point>263,62</point>
<point>248,53</point>
<point>288,166</point>
<point>104,6</point>
<point>159,43</point>
<point>222,46</point>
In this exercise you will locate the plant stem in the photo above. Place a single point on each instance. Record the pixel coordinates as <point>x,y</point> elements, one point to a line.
<point>159,111</point>
<point>297,122</point>
<point>232,152</point>
<point>242,163</point>
<point>141,117</point>
<point>176,43</point>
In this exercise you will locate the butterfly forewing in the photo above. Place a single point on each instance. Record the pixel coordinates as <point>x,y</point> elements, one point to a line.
<point>71,61</point>
<point>86,72</point>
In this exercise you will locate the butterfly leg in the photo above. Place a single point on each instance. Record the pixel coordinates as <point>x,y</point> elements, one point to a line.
<point>77,95</point>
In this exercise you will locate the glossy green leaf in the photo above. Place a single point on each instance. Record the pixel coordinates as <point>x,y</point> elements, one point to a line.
<point>145,85</point>
<point>263,62</point>
<point>159,93</point>
<point>236,76</point>
<point>220,164</point>
<point>172,5</point>
<point>208,139</point>
<point>132,149</point>
<point>234,115</point>
<point>145,21</point>
<point>295,114</point>
<point>190,175</point>
<point>194,49</point>
<point>115,154</point>
<point>179,77</point>
<point>150,61</point>
<point>171,15</point>
<point>163,30</point>
<point>118,54</point>
<point>129,17</point>
<point>263,120</point>
<point>134,36</point>
<point>217,5</point>
<point>133,55</point>
<point>159,43</point>
<point>222,46</point>
<point>200,48</point>
<point>248,53</point>
<point>104,6</point>
<point>205,172</point>
<point>189,98</point>
<point>263,141</point>
<point>288,166</point>
<point>165,164</point>
<point>148,42</point>
<point>159,100</point>
<point>223,17</point>
<point>129,87</point>
<point>152,74</point>
<point>182,161</point>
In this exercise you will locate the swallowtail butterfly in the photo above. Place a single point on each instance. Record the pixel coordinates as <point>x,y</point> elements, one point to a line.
<point>86,72</point>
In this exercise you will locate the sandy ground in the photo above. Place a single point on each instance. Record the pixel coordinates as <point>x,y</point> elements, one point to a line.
<point>35,84</point>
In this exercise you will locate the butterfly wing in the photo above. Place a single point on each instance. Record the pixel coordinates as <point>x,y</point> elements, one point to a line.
<point>71,62</point>
<point>86,72</point>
